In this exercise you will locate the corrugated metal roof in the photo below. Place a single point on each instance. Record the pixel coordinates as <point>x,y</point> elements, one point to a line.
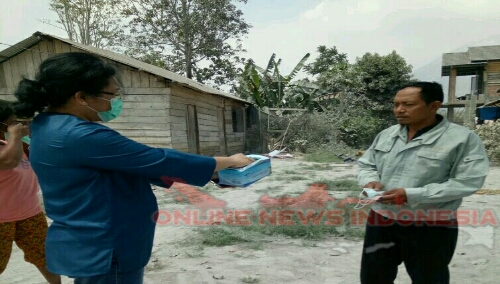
<point>484,53</point>
<point>126,60</point>
<point>493,103</point>
<point>14,50</point>
<point>453,59</point>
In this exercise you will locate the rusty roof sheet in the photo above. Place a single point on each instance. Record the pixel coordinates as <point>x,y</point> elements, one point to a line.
<point>126,60</point>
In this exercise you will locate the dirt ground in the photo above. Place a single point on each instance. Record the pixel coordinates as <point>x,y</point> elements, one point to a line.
<point>177,258</point>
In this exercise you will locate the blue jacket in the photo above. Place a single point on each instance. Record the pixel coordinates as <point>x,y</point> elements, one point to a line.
<point>96,189</point>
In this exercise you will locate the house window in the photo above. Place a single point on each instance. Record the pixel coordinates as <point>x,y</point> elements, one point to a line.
<point>238,120</point>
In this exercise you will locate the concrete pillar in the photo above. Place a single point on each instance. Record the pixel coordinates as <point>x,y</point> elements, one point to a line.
<point>452,85</point>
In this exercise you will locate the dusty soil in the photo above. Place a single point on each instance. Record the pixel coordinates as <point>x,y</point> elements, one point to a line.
<point>178,257</point>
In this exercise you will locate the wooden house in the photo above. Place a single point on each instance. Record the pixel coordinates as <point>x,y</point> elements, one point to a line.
<point>161,108</point>
<point>482,63</point>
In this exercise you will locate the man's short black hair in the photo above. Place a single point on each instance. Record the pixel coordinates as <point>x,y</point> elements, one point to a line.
<point>429,91</point>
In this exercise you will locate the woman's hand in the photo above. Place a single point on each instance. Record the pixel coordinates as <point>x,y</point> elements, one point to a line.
<point>234,161</point>
<point>240,160</point>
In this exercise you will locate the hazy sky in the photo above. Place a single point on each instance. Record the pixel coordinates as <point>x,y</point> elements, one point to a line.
<point>419,30</point>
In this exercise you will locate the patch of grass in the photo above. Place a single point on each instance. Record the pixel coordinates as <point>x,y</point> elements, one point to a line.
<point>249,280</point>
<point>293,225</point>
<point>270,189</point>
<point>220,236</point>
<point>308,231</point>
<point>348,177</point>
<point>254,245</point>
<point>297,177</point>
<point>318,167</point>
<point>340,184</point>
<point>354,233</point>
<point>291,172</point>
<point>322,157</point>
<point>290,178</point>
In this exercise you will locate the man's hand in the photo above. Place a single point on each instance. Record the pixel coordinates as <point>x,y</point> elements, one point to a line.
<point>375,185</point>
<point>395,196</point>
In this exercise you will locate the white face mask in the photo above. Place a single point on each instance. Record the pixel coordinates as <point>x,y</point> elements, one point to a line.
<point>371,197</point>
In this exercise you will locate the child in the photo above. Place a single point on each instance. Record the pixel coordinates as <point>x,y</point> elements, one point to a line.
<point>21,217</point>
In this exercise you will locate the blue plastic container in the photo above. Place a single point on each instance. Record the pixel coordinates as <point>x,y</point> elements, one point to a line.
<point>245,176</point>
<point>489,113</point>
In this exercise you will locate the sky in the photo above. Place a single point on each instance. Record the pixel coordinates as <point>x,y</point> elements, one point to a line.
<point>419,30</point>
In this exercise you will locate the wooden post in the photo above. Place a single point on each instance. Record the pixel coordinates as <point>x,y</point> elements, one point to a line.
<point>452,84</point>
<point>244,110</point>
<point>485,87</point>
<point>221,121</point>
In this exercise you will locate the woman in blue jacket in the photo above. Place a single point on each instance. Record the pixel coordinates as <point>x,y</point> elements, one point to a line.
<point>96,182</point>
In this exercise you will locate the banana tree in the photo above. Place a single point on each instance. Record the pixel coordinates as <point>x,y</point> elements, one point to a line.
<point>267,87</point>
<point>304,94</point>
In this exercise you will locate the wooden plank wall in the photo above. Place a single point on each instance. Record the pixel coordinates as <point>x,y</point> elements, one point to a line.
<point>209,131</point>
<point>492,86</point>
<point>235,140</point>
<point>493,66</point>
<point>206,108</point>
<point>6,94</point>
<point>492,89</point>
<point>24,64</point>
<point>146,107</point>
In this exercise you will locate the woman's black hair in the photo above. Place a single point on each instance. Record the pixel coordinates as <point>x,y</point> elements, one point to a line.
<point>58,79</point>
<point>6,111</point>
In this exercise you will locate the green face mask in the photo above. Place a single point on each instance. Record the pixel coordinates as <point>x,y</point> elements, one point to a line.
<point>25,139</point>
<point>114,112</point>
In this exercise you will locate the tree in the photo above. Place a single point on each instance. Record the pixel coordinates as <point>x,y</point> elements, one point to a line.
<point>269,88</point>
<point>327,59</point>
<point>368,85</point>
<point>90,22</point>
<point>200,39</point>
<point>377,77</point>
<point>331,68</point>
<point>374,77</point>
<point>381,76</point>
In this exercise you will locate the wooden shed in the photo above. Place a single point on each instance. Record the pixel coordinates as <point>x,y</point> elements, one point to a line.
<point>161,108</point>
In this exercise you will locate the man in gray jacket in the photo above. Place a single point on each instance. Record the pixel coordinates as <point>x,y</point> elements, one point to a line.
<point>423,167</point>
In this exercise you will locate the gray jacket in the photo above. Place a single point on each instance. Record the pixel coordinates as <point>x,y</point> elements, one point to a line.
<point>437,169</point>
